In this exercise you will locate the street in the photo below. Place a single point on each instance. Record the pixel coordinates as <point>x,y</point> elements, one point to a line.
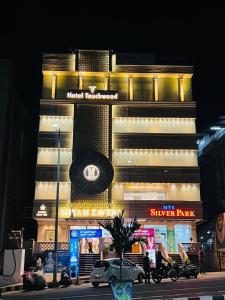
<point>205,284</point>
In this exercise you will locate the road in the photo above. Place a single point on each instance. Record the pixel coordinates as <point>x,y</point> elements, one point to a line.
<point>206,284</point>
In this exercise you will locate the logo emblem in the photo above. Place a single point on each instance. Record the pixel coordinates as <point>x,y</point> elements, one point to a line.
<point>91,173</point>
<point>92,88</point>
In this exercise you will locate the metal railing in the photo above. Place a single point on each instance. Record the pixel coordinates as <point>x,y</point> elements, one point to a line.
<point>43,246</point>
<point>191,248</point>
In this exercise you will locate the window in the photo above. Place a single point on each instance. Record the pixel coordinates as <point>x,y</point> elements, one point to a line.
<point>127,263</point>
<point>101,264</point>
<point>145,195</point>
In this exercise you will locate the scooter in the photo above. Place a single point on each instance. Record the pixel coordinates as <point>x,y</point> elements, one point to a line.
<point>33,280</point>
<point>65,278</point>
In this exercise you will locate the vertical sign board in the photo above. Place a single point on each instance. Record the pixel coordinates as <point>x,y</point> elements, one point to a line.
<point>149,234</point>
<point>74,251</point>
<point>75,235</point>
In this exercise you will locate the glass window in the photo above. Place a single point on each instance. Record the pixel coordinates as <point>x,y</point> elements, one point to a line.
<point>182,234</point>
<point>101,264</point>
<point>127,263</point>
<point>116,262</point>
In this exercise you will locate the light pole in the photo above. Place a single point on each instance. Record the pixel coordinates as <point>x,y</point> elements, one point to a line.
<point>54,281</point>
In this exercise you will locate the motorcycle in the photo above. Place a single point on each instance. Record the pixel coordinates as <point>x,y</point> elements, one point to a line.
<point>164,272</point>
<point>186,270</point>
<point>193,270</point>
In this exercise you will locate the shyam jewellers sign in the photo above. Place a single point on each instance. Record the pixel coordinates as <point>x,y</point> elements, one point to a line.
<point>92,93</point>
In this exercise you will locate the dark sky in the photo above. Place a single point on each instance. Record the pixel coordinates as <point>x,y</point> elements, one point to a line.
<point>194,30</point>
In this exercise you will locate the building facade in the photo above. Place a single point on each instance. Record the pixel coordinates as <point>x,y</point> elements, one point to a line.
<point>142,119</point>
<point>211,157</point>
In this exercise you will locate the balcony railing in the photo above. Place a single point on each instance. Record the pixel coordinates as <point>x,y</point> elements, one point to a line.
<point>191,248</point>
<point>43,246</point>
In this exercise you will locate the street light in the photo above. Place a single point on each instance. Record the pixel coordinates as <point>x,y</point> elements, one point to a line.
<point>54,281</point>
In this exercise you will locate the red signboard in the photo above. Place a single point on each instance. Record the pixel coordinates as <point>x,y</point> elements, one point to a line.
<point>178,213</point>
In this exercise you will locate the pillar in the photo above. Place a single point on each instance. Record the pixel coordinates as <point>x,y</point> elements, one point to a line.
<point>54,78</point>
<point>156,88</point>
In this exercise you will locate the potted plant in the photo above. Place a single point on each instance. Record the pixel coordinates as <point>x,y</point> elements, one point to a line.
<point>122,241</point>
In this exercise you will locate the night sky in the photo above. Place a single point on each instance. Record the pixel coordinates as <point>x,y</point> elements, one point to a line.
<point>167,28</point>
<point>172,29</point>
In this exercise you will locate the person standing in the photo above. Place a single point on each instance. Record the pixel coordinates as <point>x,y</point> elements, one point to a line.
<point>146,264</point>
<point>201,255</point>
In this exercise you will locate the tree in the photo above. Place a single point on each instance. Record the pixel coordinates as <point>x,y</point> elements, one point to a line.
<point>122,234</point>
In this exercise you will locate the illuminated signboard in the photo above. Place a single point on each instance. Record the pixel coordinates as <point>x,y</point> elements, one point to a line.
<point>144,232</point>
<point>171,211</point>
<point>75,235</point>
<point>42,211</point>
<point>91,172</point>
<point>89,212</point>
<point>92,93</point>
<point>86,233</point>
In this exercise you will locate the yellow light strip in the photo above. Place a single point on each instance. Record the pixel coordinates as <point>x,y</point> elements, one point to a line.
<point>156,150</point>
<point>118,74</point>
<point>153,119</point>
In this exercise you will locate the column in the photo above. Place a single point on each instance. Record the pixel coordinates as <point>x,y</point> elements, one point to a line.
<point>131,88</point>
<point>80,82</point>
<point>54,78</point>
<point>156,89</point>
<point>181,88</point>
<point>106,82</point>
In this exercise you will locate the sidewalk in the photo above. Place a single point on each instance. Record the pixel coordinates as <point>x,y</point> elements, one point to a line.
<point>19,286</point>
<point>11,288</point>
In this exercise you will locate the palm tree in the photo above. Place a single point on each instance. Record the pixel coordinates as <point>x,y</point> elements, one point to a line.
<point>122,235</point>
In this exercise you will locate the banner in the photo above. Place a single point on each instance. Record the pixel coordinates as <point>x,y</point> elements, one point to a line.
<point>122,290</point>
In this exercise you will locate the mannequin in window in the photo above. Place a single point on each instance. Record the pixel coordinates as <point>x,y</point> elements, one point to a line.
<point>90,247</point>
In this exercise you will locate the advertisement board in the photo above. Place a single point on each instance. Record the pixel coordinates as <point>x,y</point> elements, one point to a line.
<point>63,260</point>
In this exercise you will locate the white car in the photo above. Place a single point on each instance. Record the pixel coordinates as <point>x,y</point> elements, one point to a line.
<point>108,270</point>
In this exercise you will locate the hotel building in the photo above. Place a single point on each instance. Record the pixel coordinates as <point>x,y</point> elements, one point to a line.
<point>142,119</point>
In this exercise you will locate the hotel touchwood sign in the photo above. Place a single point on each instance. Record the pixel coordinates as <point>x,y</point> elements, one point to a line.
<point>92,93</point>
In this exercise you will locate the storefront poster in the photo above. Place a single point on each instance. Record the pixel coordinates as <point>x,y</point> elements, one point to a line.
<point>63,258</point>
<point>74,251</point>
<point>171,240</point>
<point>150,248</point>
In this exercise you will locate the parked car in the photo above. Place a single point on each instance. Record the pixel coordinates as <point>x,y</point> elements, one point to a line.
<point>108,270</point>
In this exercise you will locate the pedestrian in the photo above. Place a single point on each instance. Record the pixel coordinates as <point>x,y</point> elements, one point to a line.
<point>159,258</point>
<point>201,255</point>
<point>146,264</point>
<point>38,264</point>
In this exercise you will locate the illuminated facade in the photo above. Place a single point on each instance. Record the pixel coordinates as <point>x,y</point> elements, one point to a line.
<point>142,118</point>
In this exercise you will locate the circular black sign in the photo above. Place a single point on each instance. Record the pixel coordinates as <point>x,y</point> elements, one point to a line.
<point>91,172</point>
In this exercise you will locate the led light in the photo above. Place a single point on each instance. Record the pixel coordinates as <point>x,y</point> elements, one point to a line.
<point>215,128</point>
<point>55,125</point>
